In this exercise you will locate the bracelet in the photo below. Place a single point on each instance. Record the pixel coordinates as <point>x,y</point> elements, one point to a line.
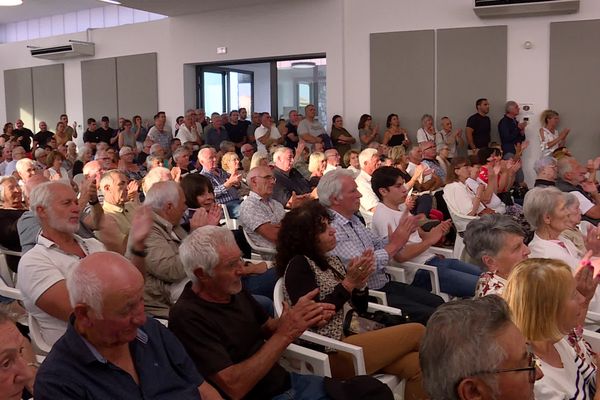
<point>93,203</point>
<point>139,253</point>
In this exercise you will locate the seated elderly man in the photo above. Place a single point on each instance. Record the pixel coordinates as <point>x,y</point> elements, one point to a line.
<point>225,185</point>
<point>496,243</point>
<point>26,169</point>
<point>11,195</point>
<point>111,350</point>
<point>260,215</point>
<point>158,174</point>
<point>116,206</point>
<point>291,188</point>
<point>18,153</point>
<point>338,192</point>
<point>165,275</point>
<point>571,179</point>
<point>247,153</point>
<point>333,159</point>
<point>42,270</point>
<point>233,343</point>
<point>546,171</point>
<point>483,357</point>
<point>369,162</point>
<point>17,358</point>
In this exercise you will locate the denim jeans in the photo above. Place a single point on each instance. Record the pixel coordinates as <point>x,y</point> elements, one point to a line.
<point>457,278</point>
<point>262,284</point>
<point>304,387</point>
<point>233,208</point>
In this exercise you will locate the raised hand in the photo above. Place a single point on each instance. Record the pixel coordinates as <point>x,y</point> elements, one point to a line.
<point>586,277</point>
<point>141,224</point>
<point>359,269</point>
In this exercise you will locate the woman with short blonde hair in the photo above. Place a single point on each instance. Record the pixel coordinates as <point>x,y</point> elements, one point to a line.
<point>548,304</point>
<point>316,165</point>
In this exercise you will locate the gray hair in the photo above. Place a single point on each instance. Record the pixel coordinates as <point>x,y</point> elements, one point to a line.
<point>279,152</point>
<point>330,185</point>
<point>85,287</point>
<point>565,165</point>
<point>225,145</point>
<point>570,199</point>
<point>108,177</point>
<point>540,202</point>
<point>542,163</point>
<point>425,117</point>
<point>161,194</point>
<point>201,249</point>
<point>486,235</point>
<point>509,104</point>
<point>41,195</point>
<point>365,156</point>
<point>154,148</point>
<point>179,152</point>
<point>256,157</point>
<point>153,176</point>
<point>203,153</point>
<point>452,351</point>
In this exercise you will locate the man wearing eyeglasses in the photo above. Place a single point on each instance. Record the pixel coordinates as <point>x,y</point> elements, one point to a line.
<point>260,214</point>
<point>485,356</point>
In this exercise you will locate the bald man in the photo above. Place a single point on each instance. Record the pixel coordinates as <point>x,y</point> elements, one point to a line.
<point>111,350</point>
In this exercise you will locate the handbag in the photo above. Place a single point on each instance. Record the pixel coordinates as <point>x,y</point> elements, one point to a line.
<point>356,322</point>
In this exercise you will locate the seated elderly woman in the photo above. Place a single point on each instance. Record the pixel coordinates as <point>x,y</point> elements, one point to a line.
<point>496,243</point>
<point>316,165</point>
<point>304,240</point>
<point>461,197</point>
<point>230,163</point>
<point>548,303</point>
<point>547,213</point>
<point>577,229</point>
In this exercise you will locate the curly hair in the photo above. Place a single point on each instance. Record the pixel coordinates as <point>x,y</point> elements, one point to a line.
<point>299,233</point>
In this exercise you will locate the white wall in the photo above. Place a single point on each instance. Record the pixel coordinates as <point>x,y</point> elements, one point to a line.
<point>339,28</point>
<point>262,85</point>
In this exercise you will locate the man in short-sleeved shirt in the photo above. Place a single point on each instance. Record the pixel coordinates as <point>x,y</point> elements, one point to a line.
<point>287,179</point>
<point>260,215</point>
<point>310,129</point>
<point>571,179</point>
<point>479,126</point>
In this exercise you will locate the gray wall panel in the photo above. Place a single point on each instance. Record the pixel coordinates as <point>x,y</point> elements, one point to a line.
<point>575,83</point>
<point>99,87</point>
<point>471,63</point>
<point>137,86</point>
<point>19,95</point>
<point>402,77</point>
<point>48,94</point>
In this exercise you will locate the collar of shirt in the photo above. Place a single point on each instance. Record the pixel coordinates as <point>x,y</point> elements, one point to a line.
<point>365,176</point>
<point>258,197</point>
<point>114,208</point>
<point>162,222</point>
<point>47,243</point>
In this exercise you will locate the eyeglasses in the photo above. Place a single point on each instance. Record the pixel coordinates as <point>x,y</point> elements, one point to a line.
<point>531,361</point>
<point>428,148</point>
<point>267,177</point>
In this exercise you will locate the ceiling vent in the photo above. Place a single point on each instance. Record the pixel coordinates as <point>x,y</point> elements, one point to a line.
<point>520,8</point>
<point>73,49</point>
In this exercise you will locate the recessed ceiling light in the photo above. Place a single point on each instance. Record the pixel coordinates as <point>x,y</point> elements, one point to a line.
<point>9,3</point>
<point>111,2</point>
<point>303,64</point>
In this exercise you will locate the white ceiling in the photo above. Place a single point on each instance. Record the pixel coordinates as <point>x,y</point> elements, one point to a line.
<point>45,8</point>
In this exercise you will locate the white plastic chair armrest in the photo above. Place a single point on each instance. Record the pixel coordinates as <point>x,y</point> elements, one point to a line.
<point>10,252</point>
<point>432,271</point>
<point>593,316</point>
<point>317,360</point>
<point>355,351</point>
<point>397,273</point>
<point>593,338</point>
<point>381,296</point>
<point>442,251</point>
<point>10,292</point>
<point>372,307</point>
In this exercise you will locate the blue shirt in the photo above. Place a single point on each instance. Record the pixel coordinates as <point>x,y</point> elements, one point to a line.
<point>75,370</point>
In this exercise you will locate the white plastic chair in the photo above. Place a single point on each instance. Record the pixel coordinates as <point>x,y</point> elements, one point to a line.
<point>259,252</point>
<point>460,222</point>
<point>398,274</point>
<point>231,223</point>
<point>593,338</point>
<point>356,352</point>
<point>40,346</point>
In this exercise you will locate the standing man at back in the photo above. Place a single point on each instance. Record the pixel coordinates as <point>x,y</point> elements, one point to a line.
<point>479,127</point>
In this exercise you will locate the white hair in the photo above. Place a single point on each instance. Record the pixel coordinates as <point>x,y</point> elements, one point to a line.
<point>161,194</point>
<point>256,157</point>
<point>108,177</point>
<point>330,185</point>
<point>201,249</point>
<point>41,195</point>
<point>153,176</point>
<point>154,148</point>
<point>279,152</point>
<point>22,165</point>
<point>202,154</point>
<point>539,202</point>
<point>85,287</point>
<point>365,156</point>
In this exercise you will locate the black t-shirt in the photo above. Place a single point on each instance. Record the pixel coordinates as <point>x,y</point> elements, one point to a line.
<point>217,336</point>
<point>91,137</point>
<point>104,135</point>
<point>27,136</point>
<point>291,129</point>
<point>42,138</point>
<point>236,132</point>
<point>481,126</point>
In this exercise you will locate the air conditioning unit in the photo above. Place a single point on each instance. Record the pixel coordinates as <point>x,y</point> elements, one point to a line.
<point>520,8</point>
<point>73,49</point>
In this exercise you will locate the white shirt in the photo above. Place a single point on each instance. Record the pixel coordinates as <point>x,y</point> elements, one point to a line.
<point>584,203</point>
<point>460,198</point>
<point>548,137</point>
<point>368,200</point>
<point>568,382</point>
<point>41,268</point>
<point>424,136</point>
<point>330,168</point>
<point>355,171</point>
<point>10,168</point>
<point>495,203</point>
<point>262,131</point>
<point>384,217</point>
<point>185,135</point>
